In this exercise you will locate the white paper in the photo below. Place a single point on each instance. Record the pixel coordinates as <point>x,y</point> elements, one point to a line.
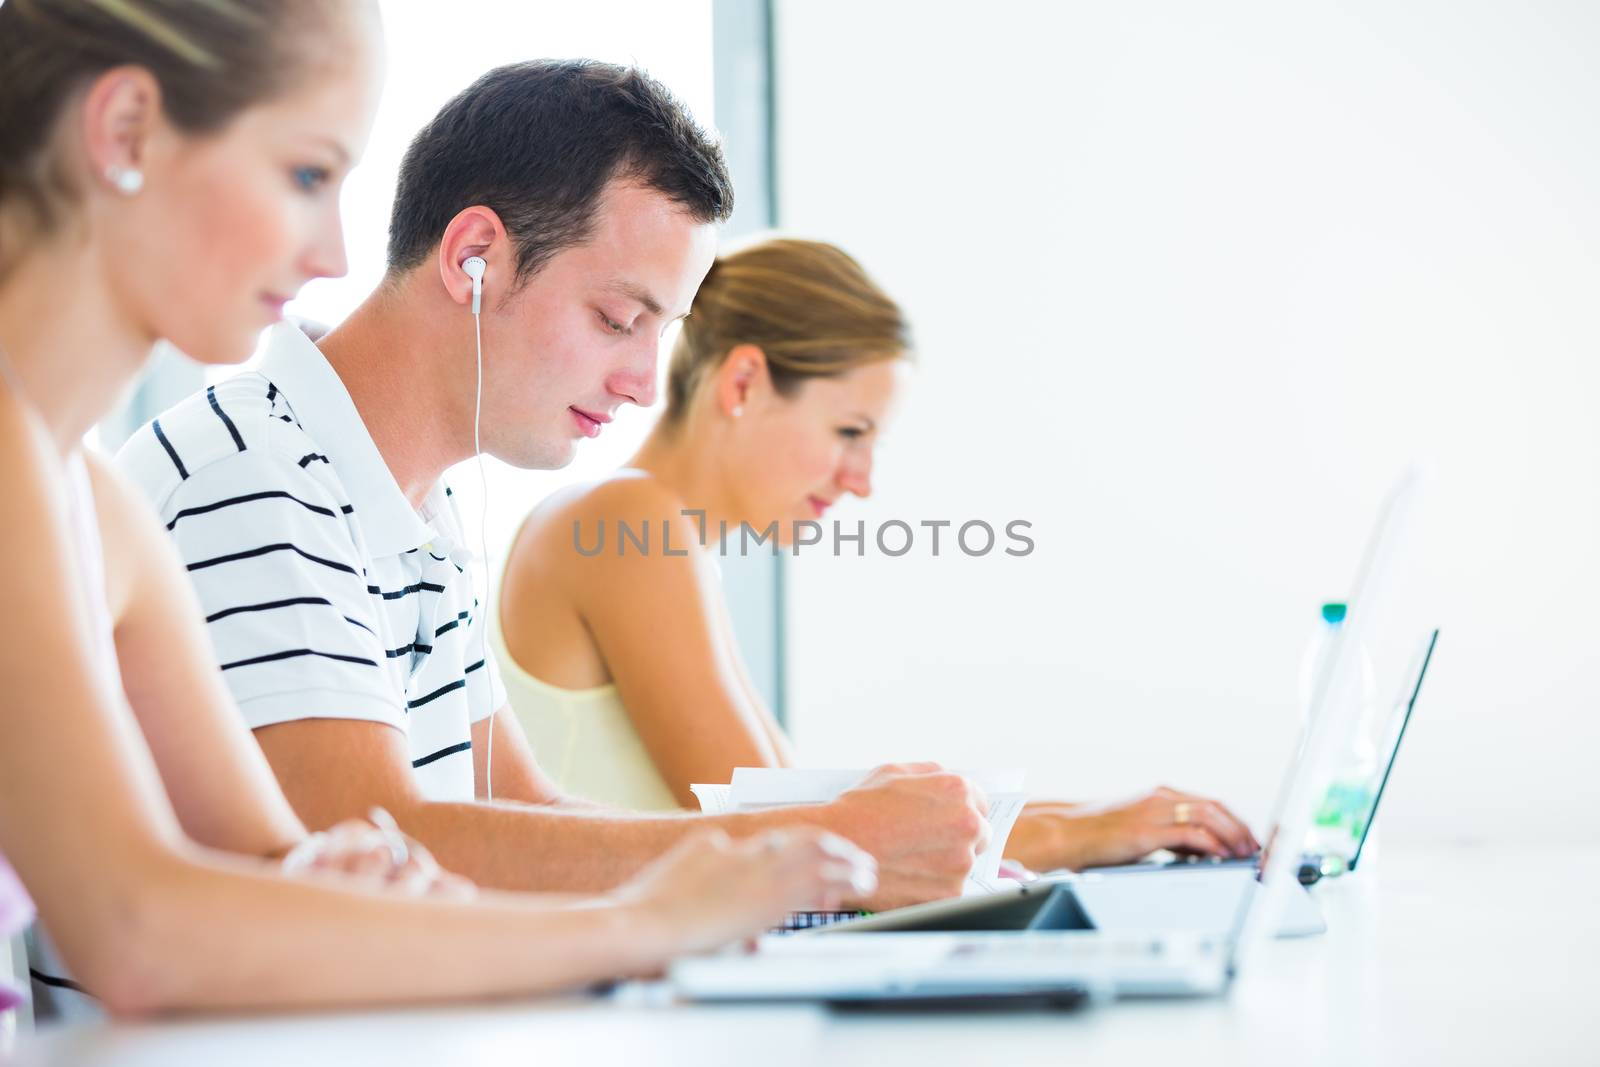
<point>768,787</point>
<point>755,788</point>
<point>1003,811</point>
<point>713,798</point>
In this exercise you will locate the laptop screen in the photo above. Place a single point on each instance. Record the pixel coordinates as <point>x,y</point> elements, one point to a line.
<point>1332,719</point>
<point>1404,707</point>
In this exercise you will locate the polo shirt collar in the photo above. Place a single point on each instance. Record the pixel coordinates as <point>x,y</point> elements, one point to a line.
<point>329,417</point>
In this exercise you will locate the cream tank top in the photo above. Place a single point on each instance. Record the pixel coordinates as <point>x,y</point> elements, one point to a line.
<point>583,738</point>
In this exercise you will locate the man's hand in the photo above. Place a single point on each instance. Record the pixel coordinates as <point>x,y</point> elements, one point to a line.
<point>1101,835</point>
<point>924,825</point>
<point>376,855</point>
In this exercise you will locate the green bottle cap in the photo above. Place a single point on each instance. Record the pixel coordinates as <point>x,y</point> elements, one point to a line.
<point>1333,613</point>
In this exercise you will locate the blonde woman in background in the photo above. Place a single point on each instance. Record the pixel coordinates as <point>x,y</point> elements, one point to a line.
<point>622,663</point>
<point>170,169</point>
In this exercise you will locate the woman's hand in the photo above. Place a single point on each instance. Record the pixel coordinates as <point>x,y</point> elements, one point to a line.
<point>1102,835</point>
<point>711,890</point>
<point>376,854</point>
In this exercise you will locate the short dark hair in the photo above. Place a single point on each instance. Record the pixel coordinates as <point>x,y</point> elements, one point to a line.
<point>537,143</point>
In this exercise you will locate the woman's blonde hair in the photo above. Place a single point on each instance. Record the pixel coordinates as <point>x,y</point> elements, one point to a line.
<point>807,305</point>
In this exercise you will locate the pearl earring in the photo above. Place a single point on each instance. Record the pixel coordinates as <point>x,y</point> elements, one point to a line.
<point>126,180</point>
<point>738,409</point>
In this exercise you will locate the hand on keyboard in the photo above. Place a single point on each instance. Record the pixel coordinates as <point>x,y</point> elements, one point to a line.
<point>1079,836</point>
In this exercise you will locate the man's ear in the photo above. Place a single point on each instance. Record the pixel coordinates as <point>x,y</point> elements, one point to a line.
<point>475,231</point>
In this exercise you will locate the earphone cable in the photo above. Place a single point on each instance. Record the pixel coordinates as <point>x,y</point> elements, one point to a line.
<point>483,544</point>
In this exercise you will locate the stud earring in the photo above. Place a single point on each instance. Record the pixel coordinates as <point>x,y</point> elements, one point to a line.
<point>738,409</point>
<point>126,180</point>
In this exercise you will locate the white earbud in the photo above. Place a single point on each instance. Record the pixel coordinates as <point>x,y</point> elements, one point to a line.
<point>475,266</point>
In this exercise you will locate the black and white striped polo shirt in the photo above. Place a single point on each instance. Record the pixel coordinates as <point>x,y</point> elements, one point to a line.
<point>327,595</point>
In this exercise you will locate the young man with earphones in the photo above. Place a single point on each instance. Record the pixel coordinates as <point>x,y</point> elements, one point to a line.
<point>548,225</point>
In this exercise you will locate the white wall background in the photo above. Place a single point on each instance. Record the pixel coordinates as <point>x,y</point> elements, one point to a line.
<point>1191,282</point>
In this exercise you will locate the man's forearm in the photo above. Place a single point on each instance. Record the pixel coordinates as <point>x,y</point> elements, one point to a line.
<point>568,849</point>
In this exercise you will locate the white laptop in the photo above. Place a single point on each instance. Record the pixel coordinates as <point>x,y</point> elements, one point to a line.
<point>1036,947</point>
<point>1182,894</point>
<point>1103,890</point>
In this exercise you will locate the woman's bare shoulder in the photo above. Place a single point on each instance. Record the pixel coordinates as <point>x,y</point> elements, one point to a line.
<point>628,496</point>
<point>34,484</point>
<point>565,559</point>
<point>590,540</point>
<point>31,470</point>
<point>133,544</point>
<point>115,496</point>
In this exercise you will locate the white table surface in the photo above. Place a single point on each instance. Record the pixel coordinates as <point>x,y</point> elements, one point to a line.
<point>1433,956</point>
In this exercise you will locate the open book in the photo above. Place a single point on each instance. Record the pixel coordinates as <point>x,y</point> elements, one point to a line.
<point>755,788</point>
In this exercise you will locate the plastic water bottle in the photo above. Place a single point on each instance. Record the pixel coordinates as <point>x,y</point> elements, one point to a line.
<point>1341,818</point>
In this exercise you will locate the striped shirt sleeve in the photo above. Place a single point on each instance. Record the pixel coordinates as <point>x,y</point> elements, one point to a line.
<point>486,694</point>
<point>274,560</point>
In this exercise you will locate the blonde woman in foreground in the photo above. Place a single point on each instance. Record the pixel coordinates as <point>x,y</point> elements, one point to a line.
<point>170,169</point>
<point>787,368</point>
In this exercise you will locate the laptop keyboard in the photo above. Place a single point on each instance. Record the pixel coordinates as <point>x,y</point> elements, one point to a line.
<point>807,920</point>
